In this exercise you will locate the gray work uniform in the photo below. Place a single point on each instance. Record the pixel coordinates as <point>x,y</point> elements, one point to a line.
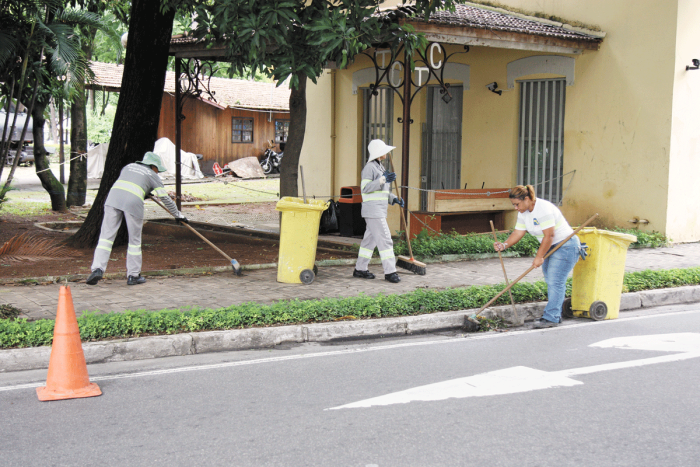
<point>376,197</point>
<point>125,200</point>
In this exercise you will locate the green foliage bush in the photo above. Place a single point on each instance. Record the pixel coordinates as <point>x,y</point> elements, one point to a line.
<point>23,333</point>
<point>645,239</point>
<point>455,243</point>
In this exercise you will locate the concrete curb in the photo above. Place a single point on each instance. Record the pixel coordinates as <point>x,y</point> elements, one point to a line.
<point>142,348</point>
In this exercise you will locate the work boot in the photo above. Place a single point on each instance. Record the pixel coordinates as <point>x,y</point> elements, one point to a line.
<point>543,323</point>
<point>393,277</point>
<point>363,274</point>
<point>95,277</point>
<point>135,280</point>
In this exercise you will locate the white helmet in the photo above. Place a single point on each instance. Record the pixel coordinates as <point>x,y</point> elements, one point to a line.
<point>377,148</point>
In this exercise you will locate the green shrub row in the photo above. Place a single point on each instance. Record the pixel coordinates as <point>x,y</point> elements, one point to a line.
<point>23,333</point>
<point>454,243</point>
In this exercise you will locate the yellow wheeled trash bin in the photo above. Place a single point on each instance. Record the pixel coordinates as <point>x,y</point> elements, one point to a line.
<point>298,239</point>
<point>596,289</point>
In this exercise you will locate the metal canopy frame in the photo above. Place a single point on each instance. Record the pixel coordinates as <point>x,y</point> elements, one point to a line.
<point>409,89</point>
<point>192,79</point>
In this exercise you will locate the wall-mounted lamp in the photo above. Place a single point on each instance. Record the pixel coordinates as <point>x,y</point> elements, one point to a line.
<point>493,87</point>
<point>696,65</point>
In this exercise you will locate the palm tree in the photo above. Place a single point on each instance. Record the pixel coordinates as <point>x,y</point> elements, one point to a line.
<point>40,51</point>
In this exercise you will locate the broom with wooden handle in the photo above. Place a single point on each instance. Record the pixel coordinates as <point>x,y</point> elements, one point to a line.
<point>410,264</point>
<point>473,317</point>
<point>505,275</point>
<point>234,264</point>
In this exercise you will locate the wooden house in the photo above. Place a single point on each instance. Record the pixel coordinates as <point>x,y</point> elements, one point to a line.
<point>238,123</point>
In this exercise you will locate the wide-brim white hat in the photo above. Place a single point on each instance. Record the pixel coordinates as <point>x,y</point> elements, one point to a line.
<point>377,148</point>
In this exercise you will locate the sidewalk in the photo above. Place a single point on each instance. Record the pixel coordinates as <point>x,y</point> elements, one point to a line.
<point>224,289</point>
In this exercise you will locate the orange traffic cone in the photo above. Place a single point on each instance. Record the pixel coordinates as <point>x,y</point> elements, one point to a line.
<point>68,376</point>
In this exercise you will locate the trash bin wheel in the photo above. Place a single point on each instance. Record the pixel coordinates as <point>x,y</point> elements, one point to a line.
<point>566,311</point>
<point>315,270</point>
<point>307,276</point>
<point>598,310</point>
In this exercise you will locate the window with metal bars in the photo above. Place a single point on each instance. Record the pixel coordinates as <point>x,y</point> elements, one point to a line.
<point>541,137</point>
<point>377,121</point>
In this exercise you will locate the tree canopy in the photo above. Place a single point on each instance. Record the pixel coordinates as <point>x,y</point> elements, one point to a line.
<point>290,39</point>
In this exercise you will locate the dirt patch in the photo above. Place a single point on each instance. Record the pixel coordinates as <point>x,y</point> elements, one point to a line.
<point>160,252</point>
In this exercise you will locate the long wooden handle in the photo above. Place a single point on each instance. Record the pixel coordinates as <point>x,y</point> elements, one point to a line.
<point>403,215</point>
<point>533,267</point>
<point>303,186</point>
<point>503,266</point>
<point>194,231</point>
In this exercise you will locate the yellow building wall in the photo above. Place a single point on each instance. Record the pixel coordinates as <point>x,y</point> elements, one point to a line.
<point>317,148</point>
<point>683,217</point>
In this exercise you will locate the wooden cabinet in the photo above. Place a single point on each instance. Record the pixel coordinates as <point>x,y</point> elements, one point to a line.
<point>464,211</point>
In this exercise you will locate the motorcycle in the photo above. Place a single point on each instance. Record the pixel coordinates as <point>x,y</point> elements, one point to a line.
<point>271,161</point>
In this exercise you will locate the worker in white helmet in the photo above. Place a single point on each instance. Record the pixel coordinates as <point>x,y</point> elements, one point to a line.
<point>125,201</point>
<point>376,196</point>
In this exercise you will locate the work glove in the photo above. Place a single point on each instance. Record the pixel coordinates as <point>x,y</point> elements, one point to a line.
<point>182,219</point>
<point>389,176</point>
<point>398,201</point>
<point>583,251</point>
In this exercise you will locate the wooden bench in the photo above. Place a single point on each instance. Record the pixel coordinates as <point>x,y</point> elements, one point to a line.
<point>464,211</point>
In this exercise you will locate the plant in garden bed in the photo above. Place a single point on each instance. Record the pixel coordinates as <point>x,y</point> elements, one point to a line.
<point>651,239</point>
<point>426,244</point>
<point>23,333</point>
<point>454,243</point>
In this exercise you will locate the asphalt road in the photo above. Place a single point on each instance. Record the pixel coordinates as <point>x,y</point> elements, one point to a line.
<point>594,393</point>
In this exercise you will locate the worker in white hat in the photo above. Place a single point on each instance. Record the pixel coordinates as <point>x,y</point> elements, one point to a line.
<point>125,201</point>
<point>376,197</point>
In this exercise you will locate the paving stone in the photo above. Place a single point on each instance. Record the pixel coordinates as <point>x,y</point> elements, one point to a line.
<point>260,285</point>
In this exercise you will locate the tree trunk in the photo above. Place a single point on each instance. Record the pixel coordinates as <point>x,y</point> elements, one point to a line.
<point>289,170</point>
<point>48,180</point>
<point>77,183</point>
<point>138,110</point>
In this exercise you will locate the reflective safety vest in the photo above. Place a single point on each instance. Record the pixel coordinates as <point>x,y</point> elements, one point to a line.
<point>376,196</point>
<point>135,182</point>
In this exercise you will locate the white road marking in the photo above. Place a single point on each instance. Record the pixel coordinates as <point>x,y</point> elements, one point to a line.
<point>466,338</point>
<point>522,379</point>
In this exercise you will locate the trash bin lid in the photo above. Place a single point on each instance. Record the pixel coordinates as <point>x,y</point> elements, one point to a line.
<point>290,203</point>
<point>622,239</point>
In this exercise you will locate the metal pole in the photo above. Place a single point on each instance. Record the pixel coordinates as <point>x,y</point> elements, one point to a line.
<point>406,127</point>
<point>178,131</point>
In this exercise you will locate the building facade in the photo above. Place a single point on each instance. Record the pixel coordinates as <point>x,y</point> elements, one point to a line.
<point>593,106</point>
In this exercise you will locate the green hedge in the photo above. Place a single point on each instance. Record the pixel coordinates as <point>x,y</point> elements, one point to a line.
<point>23,333</point>
<point>454,243</point>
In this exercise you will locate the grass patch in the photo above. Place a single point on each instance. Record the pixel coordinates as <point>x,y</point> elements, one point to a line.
<point>23,208</point>
<point>23,333</point>
<point>237,192</point>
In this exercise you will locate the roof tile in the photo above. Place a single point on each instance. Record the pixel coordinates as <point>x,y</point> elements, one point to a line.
<point>237,93</point>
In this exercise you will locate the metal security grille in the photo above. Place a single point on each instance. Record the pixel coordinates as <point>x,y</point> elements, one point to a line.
<point>378,116</point>
<point>541,138</point>
<point>442,142</point>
